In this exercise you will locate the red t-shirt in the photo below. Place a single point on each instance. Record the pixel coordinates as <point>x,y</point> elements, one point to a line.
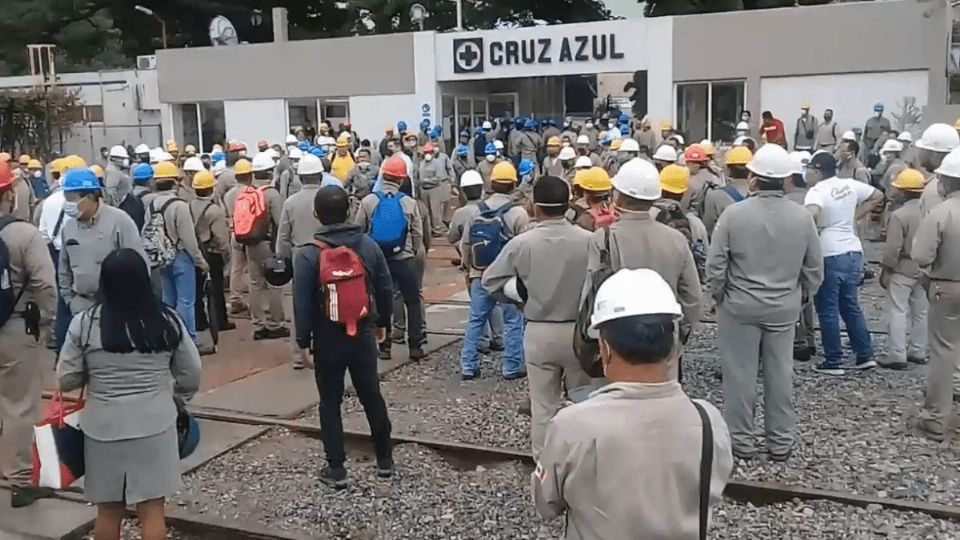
<point>774,133</point>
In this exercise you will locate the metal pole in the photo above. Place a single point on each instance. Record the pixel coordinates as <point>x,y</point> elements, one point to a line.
<point>459,14</point>
<point>163,32</point>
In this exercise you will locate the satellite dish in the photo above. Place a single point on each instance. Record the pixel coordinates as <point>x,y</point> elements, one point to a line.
<point>222,32</point>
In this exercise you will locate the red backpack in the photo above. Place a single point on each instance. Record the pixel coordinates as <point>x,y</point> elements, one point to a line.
<point>603,215</point>
<point>343,280</point>
<point>251,220</point>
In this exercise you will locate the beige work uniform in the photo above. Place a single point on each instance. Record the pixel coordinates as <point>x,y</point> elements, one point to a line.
<point>485,168</point>
<point>550,259</point>
<point>764,255</point>
<point>697,190</point>
<point>23,195</point>
<point>930,197</point>
<point>31,271</point>
<point>239,280</point>
<point>255,256</point>
<point>936,250</point>
<point>907,302</point>
<point>715,201</point>
<point>625,464</point>
<point>552,166</point>
<point>298,225</point>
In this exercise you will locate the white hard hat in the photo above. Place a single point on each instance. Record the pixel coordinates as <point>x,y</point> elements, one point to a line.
<point>583,161</point>
<point>583,139</point>
<point>471,178</point>
<point>799,159</point>
<point>639,179</point>
<point>292,139</point>
<point>743,126</point>
<point>628,293</point>
<point>512,291</point>
<point>629,145</point>
<point>165,156</point>
<point>666,153</point>
<point>891,145</point>
<point>706,142</point>
<point>939,138</point>
<point>310,164</point>
<point>740,140</point>
<point>155,155</point>
<point>771,161</point>
<point>679,138</point>
<point>905,136</point>
<point>487,125</point>
<point>193,164</point>
<point>498,144</point>
<point>614,133</point>
<point>295,153</point>
<point>848,135</point>
<point>274,155</point>
<point>950,166</point>
<point>263,162</point>
<point>567,153</point>
<point>142,149</point>
<point>119,152</point>
<point>219,167</point>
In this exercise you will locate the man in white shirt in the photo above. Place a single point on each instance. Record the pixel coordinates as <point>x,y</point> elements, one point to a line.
<point>51,222</point>
<point>836,204</point>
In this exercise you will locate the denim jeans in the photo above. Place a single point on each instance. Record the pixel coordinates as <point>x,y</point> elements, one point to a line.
<point>404,274</point>
<point>481,305</point>
<point>838,298</point>
<point>180,290</point>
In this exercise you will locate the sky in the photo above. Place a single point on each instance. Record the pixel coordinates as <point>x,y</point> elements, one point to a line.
<point>625,8</point>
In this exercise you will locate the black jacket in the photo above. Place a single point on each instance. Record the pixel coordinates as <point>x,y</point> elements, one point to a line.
<point>308,313</point>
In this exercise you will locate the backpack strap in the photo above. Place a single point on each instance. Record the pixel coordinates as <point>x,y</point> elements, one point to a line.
<point>733,193</point>
<point>706,466</point>
<point>56,228</point>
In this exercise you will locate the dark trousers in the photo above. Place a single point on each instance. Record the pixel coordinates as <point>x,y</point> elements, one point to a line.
<point>335,353</point>
<point>62,322</point>
<point>406,280</point>
<point>218,301</point>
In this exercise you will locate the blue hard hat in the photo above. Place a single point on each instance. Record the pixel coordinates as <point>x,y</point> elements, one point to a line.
<point>218,156</point>
<point>436,132</point>
<point>317,151</point>
<point>605,140</point>
<point>624,118</point>
<point>526,167</point>
<point>490,149</point>
<point>303,146</point>
<point>878,107</point>
<point>552,121</point>
<point>530,124</point>
<point>544,122</point>
<point>143,172</point>
<point>465,133</point>
<point>401,126</point>
<point>81,180</point>
<point>425,123</point>
<point>188,434</point>
<point>462,150</point>
<point>478,131</point>
<point>519,121</point>
<point>624,131</point>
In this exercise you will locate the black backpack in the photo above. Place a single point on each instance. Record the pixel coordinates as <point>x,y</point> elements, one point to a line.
<point>585,346</point>
<point>8,298</point>
<point>133,206</point>
<point>673,216</point>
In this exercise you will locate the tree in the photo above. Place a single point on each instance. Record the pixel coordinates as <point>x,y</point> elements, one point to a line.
<point>31,120</point>
<point>659,8</point>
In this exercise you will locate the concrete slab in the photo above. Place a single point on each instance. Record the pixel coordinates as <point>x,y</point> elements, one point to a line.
<point>46,519</point>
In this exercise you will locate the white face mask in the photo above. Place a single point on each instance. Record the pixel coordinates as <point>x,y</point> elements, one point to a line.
<point>589,124</point>
<point>38,174</point>
<point>428,157</point>
<point>491,158</point>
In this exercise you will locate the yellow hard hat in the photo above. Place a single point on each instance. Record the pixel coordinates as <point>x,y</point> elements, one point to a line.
<point>57,166</point>
<point>615,144</point>
<point>503,172</point>
<point>956,125</point>
<point>34,164</point>
<point>190,149</point>
<point>805,104</point>
<point>553,141</point>
<point>243,167</point>
<point>216,148</point>
<point>204,180</point>
<point>24,159</point>
<point>97,170</point>
<point>708,148</point>
<point>343,142</point>
<point>666,125</point>
<point>172,146</point>
<point>5,156</point>
<point>165,169</point>
<point>675,179</point>
<point>74,161</point>
<point>593,179</point>
<point>738,155</point>
<point>909,180</point>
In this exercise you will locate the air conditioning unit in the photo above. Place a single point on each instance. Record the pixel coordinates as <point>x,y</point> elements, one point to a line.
<point>146,62</point>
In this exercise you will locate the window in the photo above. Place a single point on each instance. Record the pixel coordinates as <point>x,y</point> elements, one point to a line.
<point>213,127</point>
<point>709,110</point>
<point>92,113</point>
<point>190,125</point>
<point>953,59</point>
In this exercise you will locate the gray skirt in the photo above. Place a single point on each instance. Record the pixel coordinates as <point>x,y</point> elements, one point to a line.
<point>132,471</point>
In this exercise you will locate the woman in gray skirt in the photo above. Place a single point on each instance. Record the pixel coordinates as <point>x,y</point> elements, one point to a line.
<point>125,350</point>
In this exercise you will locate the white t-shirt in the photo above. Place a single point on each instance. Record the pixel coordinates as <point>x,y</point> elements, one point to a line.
<point>838,199</point>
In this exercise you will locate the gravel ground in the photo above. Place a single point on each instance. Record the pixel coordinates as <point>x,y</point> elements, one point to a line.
<point>275,481</point>
<point>808,520</point>
<point>131,531</point>
<point>429,400</point>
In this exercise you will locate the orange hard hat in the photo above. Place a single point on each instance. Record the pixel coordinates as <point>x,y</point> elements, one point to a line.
<point>395,168</point>
<point>236,147</point>
<point>6,176</point>
<point>695,154</point>
<point>427,148</point>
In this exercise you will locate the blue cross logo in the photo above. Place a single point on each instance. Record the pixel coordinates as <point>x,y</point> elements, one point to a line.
<point>468,55</point>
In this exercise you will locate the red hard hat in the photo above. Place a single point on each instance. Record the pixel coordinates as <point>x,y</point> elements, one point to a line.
<point>395,168</point>
<point>6,176</point>
<point>428,148</point>
<point>236,147</point>
<point>695,154</point>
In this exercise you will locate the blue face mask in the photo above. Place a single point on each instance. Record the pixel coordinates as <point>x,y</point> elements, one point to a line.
<point>71,209</point>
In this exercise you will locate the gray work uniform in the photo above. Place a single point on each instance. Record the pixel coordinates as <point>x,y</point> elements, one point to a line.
<point>647,138</point>
<point>797,195</point>
<point>513,143</point>
<point>117,183</point>
<point>551,131</point>
<point>894,168</point>
<point>225,182</point>
<point>826,136</point>
<point>930,198</point>
<point>715,201</point>
<point>256,255</point>
<point>288,183</point>
<point>146,197</point>
<point>298,225</point>
<point>410,208</point>
<point>874,126</point>
<point>24,199</point>
<point>854,169</point>
<point>552,166</point>
<point>85,244</point>
<point>570,135</point>
<point>936,250</point>
<point>460,166</point>
<point>32,278</point>
<point>516,220</point>
<point>806,337</point>
<point>907,303</point>
<point>592,133</point>
<point>179,225</point>
<point>764,258</point>
<point>185,191</point>
<point>458,224</point>
<point>627,435</point>
<point>436,177</point>
<point>910,155</point>
<point>239,281</point>
<point>528,144</point>
<point>485,168</point>
<point>550,260</point>
<point>805,133</point>
<point>697,189</point>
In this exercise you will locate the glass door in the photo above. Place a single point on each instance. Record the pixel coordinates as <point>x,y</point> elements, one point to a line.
<point>693,110</point>
<point>481,112</point>
<point>503,105</point>
<point>464,115</point>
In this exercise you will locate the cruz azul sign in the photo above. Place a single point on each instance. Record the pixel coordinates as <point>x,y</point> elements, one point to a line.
<point>478,54</point>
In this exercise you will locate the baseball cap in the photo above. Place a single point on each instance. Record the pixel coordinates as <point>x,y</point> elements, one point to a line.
<point>823,162</point>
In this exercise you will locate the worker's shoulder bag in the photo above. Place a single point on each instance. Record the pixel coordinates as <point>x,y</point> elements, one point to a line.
<point>706,466</point>
<point>586,346</point>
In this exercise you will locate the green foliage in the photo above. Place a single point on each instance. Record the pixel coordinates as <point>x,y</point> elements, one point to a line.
<point>30,120</point>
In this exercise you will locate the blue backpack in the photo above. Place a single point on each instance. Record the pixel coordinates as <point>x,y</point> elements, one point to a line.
<point>488,235</point>
<point>388,225</point>
<point>40,187</point>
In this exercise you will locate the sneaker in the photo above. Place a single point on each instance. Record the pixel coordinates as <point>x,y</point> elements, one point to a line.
<point>896,366</point>
<point>781,457</point>
<point>828,369</point>
<point>515,376</point>
<point>385,351</point>
<point>237,308</point>
<point>227,326</point>
<point>24,496</point>
<point>803,354</point>
<point>483,347</point>
<point>744,456</point>
<point>470,376</point>
<point>385,467</point>
<point>206,349</point>
<point>416,353</point>
<point>51,342</point>
<point>921,429</point>
<point>496,345</point>
<point>279,333</point>
<point>917,360</point>
<point>399,340</point>
<point>335,477</point>
<point>261,334</point>
<point>864,363</point>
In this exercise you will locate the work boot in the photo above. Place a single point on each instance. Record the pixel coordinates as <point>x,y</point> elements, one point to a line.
<point>24,496</point>
<point>385,351</point>
<point>227,326</point>
<point>335,477</point>
<point>261,334</point>
<point>236,308</point>
<point>416,353</point>
<point>385,467</point>
<point>51,341</point>
<point>206,349</point>
<point>279,333</point>
<point>496,345</point>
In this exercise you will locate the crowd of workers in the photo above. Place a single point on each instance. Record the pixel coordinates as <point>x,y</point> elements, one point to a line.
<point>604,234</point>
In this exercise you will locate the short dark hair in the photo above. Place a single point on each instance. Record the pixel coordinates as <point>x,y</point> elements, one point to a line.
<point>769,184</point>
<point>331,205</point>
<point>472,193</point>
<point>365,143</point>
<point>311,178</point>
<point>631,203</point>
<point>798,180</point>
<point>750,144</point>
<point>853,146</point>
<point>204,192</point>
<point>767,115</point>
<point>551,194</point>
<point>502,187</point>
<point>166,184</point>
<point>641,339</point>
<point>739,172</point>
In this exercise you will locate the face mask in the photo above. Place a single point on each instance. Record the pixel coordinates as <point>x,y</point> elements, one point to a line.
<point>827,118</point>
<point>38,174</point>
<point>428,157</point>
<point>744,118</point>
<point>491,158</point>
<point>296,165</point>
<point>364,165</point>
<point>611,125</point>
<point>589,125</point>
<point>71,209</point>
<point>941,190</point>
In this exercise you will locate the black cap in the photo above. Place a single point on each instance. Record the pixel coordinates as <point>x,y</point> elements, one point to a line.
<point>823,162</point>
